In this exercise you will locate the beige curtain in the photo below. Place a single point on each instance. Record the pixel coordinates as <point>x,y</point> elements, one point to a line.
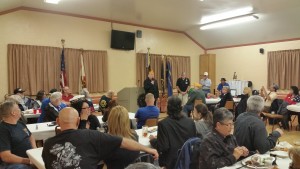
<point>33,67</point>
<point>96,70</point>
<point>37,68</point>
<point>179,64</point>
<point>283,68</point>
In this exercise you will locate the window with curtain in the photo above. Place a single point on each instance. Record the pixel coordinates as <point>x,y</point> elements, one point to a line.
<point>37,68</point>
<point>283,68</point>
<point>179,64</point>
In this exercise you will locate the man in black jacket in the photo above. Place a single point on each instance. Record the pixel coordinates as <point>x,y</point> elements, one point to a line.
<point>151,86</point>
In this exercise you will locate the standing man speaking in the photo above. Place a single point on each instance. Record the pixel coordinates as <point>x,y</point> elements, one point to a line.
<point>183,86</point>
<point>151,86</point>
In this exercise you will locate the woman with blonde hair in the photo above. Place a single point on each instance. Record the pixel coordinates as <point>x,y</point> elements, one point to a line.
<point>119,125</point>
<point>294,154</point>
<point>242,106</point>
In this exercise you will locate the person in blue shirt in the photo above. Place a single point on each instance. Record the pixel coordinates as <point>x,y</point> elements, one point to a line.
<point>222,84</point>
<point>144,113</point>
<point>45,102</point>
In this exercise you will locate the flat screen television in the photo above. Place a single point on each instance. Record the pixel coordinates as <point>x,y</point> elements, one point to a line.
<point>122,40</point>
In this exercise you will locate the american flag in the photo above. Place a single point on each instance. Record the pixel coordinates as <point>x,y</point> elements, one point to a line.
<point>63,78</point>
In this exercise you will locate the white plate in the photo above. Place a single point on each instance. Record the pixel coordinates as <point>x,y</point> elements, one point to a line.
<point>257,167</point>
<point>281,154</point>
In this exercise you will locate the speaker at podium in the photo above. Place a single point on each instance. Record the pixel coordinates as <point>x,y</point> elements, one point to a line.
<point>128,96</point>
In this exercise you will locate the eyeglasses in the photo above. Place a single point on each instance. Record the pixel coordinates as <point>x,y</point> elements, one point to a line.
<point>85,108</point>
<point>228,124</point>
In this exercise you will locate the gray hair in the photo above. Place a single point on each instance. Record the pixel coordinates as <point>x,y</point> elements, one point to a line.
<point>142,165</point>
<point>255,104</point>
<point>110,93</point>
<point>149,96</point>
<point>6,108</point>
<point>227,88</point>
<point>221,115</point>
<point>56,95</point>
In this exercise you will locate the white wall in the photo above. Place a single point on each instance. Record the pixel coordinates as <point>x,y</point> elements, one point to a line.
<point>35,28</point>
<point>248,62</point>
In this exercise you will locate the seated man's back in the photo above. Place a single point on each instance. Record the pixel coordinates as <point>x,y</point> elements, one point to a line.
<point>71,148</point>
<point>250,130</point>
<point>144,113</point>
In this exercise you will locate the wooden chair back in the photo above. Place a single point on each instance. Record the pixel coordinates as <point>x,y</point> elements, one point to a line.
<point>151,122</point>
<point>229,105</point>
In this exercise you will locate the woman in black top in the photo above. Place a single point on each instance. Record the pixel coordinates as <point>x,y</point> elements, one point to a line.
<point>242,106</point>
<point>119,125</point>
<point>226,96</point>
<point>87,120</point>
<point>172,133</point>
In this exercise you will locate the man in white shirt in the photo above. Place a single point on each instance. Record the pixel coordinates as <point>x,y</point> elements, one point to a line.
<point>206,83</point>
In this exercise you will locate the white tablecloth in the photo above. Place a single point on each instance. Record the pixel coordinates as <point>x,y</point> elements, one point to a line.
<point>283,163</point>
<point>35,155</point>
<point>216,100</point>
<point>238,85</point>
<point>41,131</point>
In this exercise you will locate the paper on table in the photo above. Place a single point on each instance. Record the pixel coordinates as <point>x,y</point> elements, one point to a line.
<point>284,144</point>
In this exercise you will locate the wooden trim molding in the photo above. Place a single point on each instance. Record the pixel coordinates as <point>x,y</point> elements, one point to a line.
<point>257,43</point>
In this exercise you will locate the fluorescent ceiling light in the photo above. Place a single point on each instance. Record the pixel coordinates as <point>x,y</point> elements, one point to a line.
<point>52,1</point>
<point>226,15</point>
<point>227,22</point>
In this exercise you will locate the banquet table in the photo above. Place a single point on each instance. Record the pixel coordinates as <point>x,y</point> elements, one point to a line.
<point>282,163</point>
<point>35,155</point>
<point>42,131</point>
<point>29,114</point>
<point>216,100</point>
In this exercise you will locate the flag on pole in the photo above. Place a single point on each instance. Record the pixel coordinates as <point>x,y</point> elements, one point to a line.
<point>148,60</point>
<point>82,77</point>
<point>162,75</point>
<point>169,78</point>
<point>63,77</point>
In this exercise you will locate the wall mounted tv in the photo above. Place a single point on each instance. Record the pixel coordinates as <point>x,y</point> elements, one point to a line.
<point>122,40</point>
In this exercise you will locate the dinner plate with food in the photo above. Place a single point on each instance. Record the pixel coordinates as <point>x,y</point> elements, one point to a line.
<point>258,161</point>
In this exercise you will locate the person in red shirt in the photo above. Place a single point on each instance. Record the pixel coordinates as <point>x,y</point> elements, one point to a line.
<point>292,98</point>
<point>67,95</point>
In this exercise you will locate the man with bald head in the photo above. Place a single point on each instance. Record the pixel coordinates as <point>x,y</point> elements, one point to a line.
<point>74,148</point>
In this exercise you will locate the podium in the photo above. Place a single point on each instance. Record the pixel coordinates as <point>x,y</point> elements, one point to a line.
<point>128,96</point>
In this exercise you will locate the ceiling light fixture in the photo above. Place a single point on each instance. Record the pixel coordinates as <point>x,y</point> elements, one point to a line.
<point>230,21</point>
<point>226,15</point>
<point>52,1</point>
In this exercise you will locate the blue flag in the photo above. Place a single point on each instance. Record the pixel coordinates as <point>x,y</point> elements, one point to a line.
<point>169,79</point>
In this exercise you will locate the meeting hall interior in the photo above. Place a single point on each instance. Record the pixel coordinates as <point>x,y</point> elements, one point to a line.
<point>149,84</point>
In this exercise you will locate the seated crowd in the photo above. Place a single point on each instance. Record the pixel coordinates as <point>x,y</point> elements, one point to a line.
<point>225,137</point>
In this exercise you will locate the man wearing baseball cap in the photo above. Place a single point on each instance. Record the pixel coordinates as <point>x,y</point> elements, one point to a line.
<point>23,101</point>
<point>206,83</point>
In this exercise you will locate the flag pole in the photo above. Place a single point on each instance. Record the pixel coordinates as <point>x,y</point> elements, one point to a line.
<point>62,43</point>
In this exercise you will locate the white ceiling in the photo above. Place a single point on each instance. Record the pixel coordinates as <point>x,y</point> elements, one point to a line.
<point>278,19</point>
